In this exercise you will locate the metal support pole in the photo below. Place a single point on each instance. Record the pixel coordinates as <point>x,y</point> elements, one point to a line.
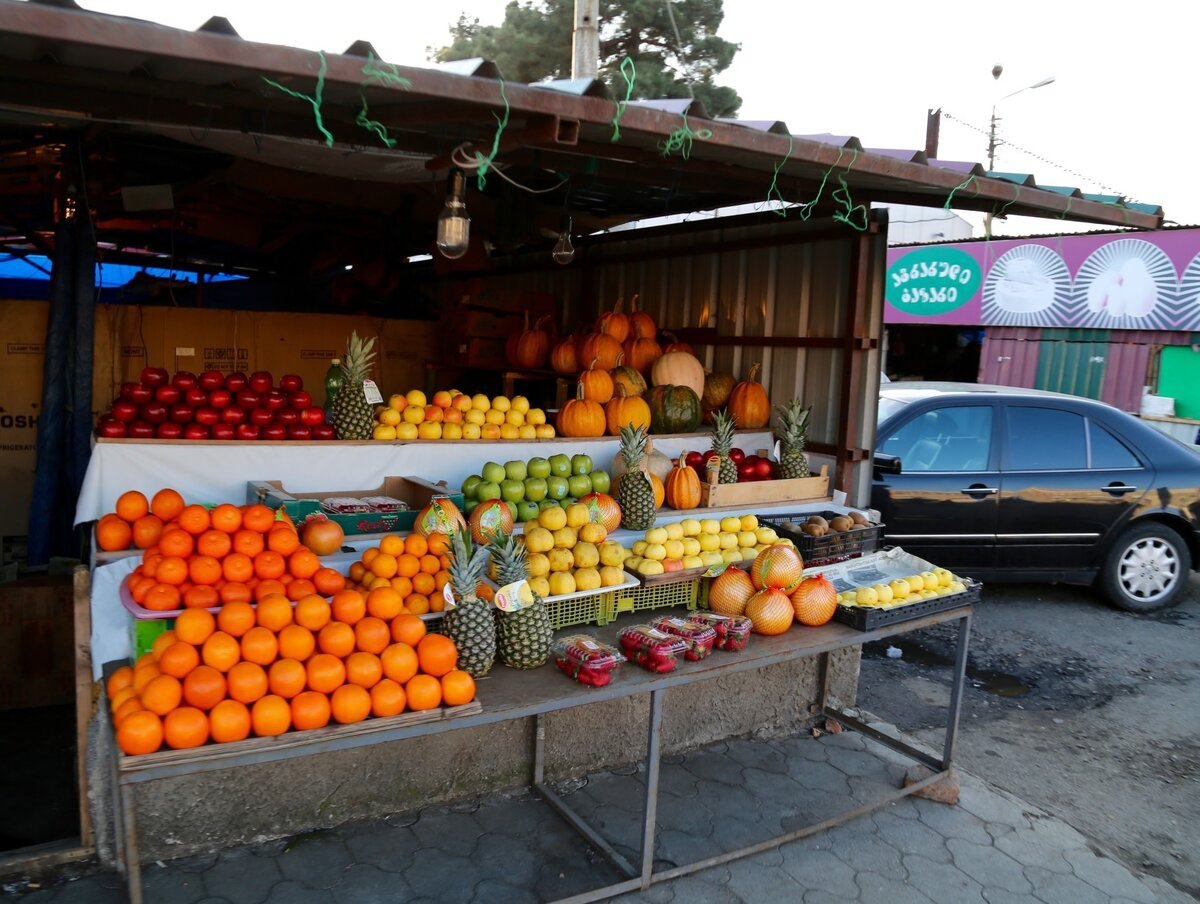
<point>823,678</point>
<point>960,669</point>
<point>650,810</point>
<point>585,48</point>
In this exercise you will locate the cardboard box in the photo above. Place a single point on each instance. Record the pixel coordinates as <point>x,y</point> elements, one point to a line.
<point>413,490</point>
<point>37,642</point>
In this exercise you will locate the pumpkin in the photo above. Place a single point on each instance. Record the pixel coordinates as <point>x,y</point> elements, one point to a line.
<point>674,345</point>
<point>510,349</point>
<point>656,463</point>
<point>614,322</point>
<point>641,324</point>
<point>749,403</point>
<point>641,353</point>
<point>623,409</point>
<point>678,369</point>
<point>603,509</point>
<point>580,416</point>
<point>532,346</point>
<point>673,409</point>
<point>601,346</point>
<point>597,384</point>
<point>624,375</point>
<point>322,536</point>
<point>564,358</point>
<point>660,491</point>
<point>717,388</point>
<point>440,515</point>
<point>814,601</point>
<point>683,486</point>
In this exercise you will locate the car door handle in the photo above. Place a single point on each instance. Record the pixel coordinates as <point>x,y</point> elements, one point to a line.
<point>979,492</point>
<point>1118,489</point>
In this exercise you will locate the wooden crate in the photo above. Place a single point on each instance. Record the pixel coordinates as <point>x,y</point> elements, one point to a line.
<point>801,489</point>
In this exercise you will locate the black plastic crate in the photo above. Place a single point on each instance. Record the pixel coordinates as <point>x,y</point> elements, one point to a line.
<point>833,547</point>
<point>867,619</point>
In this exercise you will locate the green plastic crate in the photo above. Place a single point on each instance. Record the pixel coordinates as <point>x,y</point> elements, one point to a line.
<point>595,608</point>
<point>144,631</point>
<point>657,596</point>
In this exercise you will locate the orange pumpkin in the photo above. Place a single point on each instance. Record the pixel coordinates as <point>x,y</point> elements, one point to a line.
<point>623,409</point>
<point>641,354</point>
<point>749,403</point>
<point>580,416</point>
<point>597,384</point>
<point>564,358</point>
<point>641,324</point>
<point>601,347</point>
<point>614,322</point>
<point>624,375</point>
<point>674,345</point>
<point>532,347</point>
<point>683,486</point>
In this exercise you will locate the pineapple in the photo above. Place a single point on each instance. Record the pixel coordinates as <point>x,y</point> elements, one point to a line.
<point>351,413</point>
<point>724,424</point>
<point>793,430</point>
<point>522,637</point>
<point>469,624</point>
<point>635,493</point>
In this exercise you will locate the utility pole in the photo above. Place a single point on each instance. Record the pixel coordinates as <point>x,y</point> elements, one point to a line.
<point>585,50</point>
<point>933,129</point>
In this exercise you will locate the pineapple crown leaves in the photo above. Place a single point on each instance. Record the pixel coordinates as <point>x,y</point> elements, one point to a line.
<point>633,445</point>
<point>724,423</point>
<point>793,418</point>
<point>467,562</point>
<point>360,354</point>
<point>511,558</point>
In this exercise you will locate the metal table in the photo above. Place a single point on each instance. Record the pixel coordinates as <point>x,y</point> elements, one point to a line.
<point>512,694</point>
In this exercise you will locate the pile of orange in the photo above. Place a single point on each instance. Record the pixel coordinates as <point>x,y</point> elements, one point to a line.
<point>202,558</point>
<point>273,668</point>
<point>410,572</point>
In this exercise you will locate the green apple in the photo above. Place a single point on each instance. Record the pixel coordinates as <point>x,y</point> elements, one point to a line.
<point>515,470</point>
<point>535,489</point>
<point>568,502</point>
<point>527,510</point>
<point>581,464</point>
<point>579,485</point>
<point>548,503</point>
<point>469,486</point>
<point>560,465</point>
<point>487,489</point>
<point>512,510</point>
<point>556,486</point>
<point>493,473</point>
<point>601,482</point>
<point>538,467</point>
<point>512,490</point>
<point>470,505</point>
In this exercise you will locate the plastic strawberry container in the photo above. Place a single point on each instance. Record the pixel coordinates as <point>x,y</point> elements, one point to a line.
<point>732,631</point>
<point>652,649</point>
<point>700,637</point>
<point>586,659</point>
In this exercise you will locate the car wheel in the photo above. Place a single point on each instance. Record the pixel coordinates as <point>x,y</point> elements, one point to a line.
<point>1147,568</point>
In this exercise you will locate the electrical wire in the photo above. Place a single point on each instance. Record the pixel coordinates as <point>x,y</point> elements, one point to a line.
<point>460,158</point>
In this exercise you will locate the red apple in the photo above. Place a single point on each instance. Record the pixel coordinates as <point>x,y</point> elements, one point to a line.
<point>220,398</point>
<point>168,395</point>
<point>185,380</point>
<point>234,415</point>
<point>745,472</point>
<point>196,397</point>
<point>247,431</point>
<point>169,430</point>
<point>248,399</point>
<point>287,416</point>
<point>695,460</point>
<point>126,392</point>
<point>261,416</point>
<point>182,414</point>
<point>222,431</point>
<point>300,400</point>
<point>261,381</point>
<point>291,382</point>
<point>274,432</point>
<point>111,428</point>
<point>141,393</point>
<point>236,381</point>
<point>154,412</point>
<point>211,379</point>
<point>672,564</point>
<point>155,377</point>
<point>207,416</point>
<point>312,416</point>
<point>195,431</point>
<point>141,430</point>
<point>275,399</point>
<point>124,411</point>
<point>764,468</point>
<point>736,456</point>
<point>299,431</point>
<point>324,432</point>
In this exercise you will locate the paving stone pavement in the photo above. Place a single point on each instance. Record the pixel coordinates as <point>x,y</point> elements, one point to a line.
<point>989,849</point>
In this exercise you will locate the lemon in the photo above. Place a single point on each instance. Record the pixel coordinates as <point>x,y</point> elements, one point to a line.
<point>565,538</point>
<point>578,515</point>
<point>413,415</point>
<point>586,555</point>
<point>509,431</point>
<point>712,526</point>
<point>480,402</point>
<point>501,403</point>
<point>493,416</point>
<point>747,539</point>
<point>390,417</point>
<point>526,431</point>
<point>429,430</point>
<point>416,397</point>
<point>657,535</point>
<point>611,576</point>
<point>639,547</point>
<point>553,518</point>
<point>516,418</point>
<point>674,531</point>
<point>727,541</point>
<point>452,431</point>
<point>731,524</point>
<point>691,546</point>
<point>535,416</point>
<point>544,431</point>
<point>540,585</point>
<point>749,522</point>
<point>592,532</point>
<point>650,567</point>
<point>539,540</point>
<point>866,596</point>
<point>406,431</point>
<point>519,403</point>
<point>384,432</point>
<point>674,549</point>
<point>539,565</point>
<point>691,527</point>
<point>656,551</point>
<point>562,582</point>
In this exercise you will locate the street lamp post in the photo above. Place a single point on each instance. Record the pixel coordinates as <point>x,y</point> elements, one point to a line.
<point>993,142</point>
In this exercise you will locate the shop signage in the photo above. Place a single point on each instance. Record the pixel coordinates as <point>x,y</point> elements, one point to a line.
<point>932,280</point>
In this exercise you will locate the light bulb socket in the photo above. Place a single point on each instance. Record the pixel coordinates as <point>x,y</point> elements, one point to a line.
<point>454,224</point>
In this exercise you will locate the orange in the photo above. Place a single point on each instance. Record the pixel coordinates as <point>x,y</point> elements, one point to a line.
<point>226,518</point>
<point>258,518</point>
<point>260,645</point>
<point>150,560</point>
<point>248,542</point>
<point>122,696</point>
<point>337,639</point>
<point>176,542</point>
<point>303,563</point>
<point>348,606</point>
<point>356,573</point>
<point>221,651</point>
<point>283,540</point>
<point>298,588</point>
<point>417,603</point>
<point>440,580</point>
<point>166,504</point>
<point>423,692</point>
<point>399,662</point>
<point>326,673</point>
<point>194,519</point>
<point>229,720</point>
<point>372,635</point>
<point>263,589</point>
<point>204,570</point>
<point>146,531</point>
<point>247,682</point>
<point>416,545</point>
<point>402,586</point>
<point>430,564</point>
<point>424,583</point>
<point>204,687</point>
<point>437,655</point>
<point>139,586</point>
<point>113,534</point>
<point>310,710</point>
<point>271,716</point>
<point>185,728</point>
<point>161,642</point>
<point>269,564</point>
<point>194,625</point>
<point>143,675</point>
<point>376,583</point>
<point>214,543</point>
<point>384,603</point>
<point>236,618</point>
<point>387,699</point>
<point>369,555</point>
<point>392,544</point>
<point>178,659</point>
<point>132,705</point>
<point>350,703</point>
<point>312,612</point>
<point>274,612</point>
<point>438,543</point>
<point>201,596</point>
<point>296,642</point>
<point>119,680</point>
<point>408,628</point>
<point>132,505</point>
<point>286,678</point>
<point>407,565</point>
<point>363,669</point>
<point>457,688</point>
<point>140,732</point>
<point>235,592</point>
<point>383,566</point>
<point>172,570</point>
<point>328,581</point>
<point>144,660</point>
<point>162,694</point>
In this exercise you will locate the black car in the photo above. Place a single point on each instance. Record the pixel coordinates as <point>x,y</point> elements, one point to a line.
<point>1009,484</point>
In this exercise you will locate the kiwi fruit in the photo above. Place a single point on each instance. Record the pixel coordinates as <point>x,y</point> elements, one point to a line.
<point>841,523</point>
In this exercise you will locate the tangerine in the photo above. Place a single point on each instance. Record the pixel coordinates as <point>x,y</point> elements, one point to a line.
<point>328,581</point>
<point>263,589</point>
<point>383,566</point>
<point>161,642</point>
<point>269,564</point>
<point>162,598</point>
<point>384,603</point>
<point>283,539</point>
<point>143,675</point>
<point>437,655</point>
<point>132,705</point>
<point>121,696</point>
<point>119,680</point>
<point>399,662</point>
<point>392,544</point>
<point>437,542</point>
<point>194,519</point>
<point>310,710</point>
<point>408,628</point>
<point>416,545</point>
<point>146,531</point>
<point>113,534</point>
<point>201,596</point>
<point>260,645</point>
<point>271,716</point>
<point>162,694</point>
<point>204,570</point>
<point>204,687</point>
<point>286,678</point>
<point>424,583</point>
<point>226,518</point>
<point>236,618</point>
<point>337,639</point>
<point>221,651</point>
<point>356,573</point>
<point>363,669</point>
<point>298,588</point>
<point>229,720</point>
<point>140,732</point>
<point>325,672</point>
<point>350,703</point>
<point>423,692</point>
<point>402,586</point>
<point>166,504</point>
<point>247,682</point>
<point>235,592</point>
<point>214,543</point>
<point>274,611</point>
<point>458,688</point>
<point>407,565</point>
<point>194,626</point>
<point>296,642</point>
<point>312,612</point>
<point>372,635</point>
<point>176,542</point>
<point>248,542</point>
<point>172,570</point>
<point>178,659</point>
<point>132,505</point>
<point>417,603</point>
<point>185,728</point>
<point>258,517</point>
<point>348,606</point>
<point>387,699</point>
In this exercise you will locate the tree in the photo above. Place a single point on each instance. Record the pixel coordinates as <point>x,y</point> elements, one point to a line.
<point>534,43</point>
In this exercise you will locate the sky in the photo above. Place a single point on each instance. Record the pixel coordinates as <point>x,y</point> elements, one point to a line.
<point>1115,119</point>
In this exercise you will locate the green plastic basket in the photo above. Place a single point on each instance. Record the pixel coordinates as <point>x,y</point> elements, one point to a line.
<point>595,608</point>
<point>657,596</point>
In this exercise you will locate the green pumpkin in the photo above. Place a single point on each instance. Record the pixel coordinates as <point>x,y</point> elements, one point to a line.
<point>673,409</point>
<point>630,378</point>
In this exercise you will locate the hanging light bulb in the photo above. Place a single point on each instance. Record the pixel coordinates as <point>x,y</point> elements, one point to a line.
<point>454,226</point>
<point>564,251</point>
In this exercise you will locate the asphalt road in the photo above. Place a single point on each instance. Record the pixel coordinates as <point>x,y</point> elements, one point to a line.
<point>1080,708</point>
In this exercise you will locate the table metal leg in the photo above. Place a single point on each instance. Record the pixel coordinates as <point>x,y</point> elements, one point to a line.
<point>650,808</point>
<point>956,690</point>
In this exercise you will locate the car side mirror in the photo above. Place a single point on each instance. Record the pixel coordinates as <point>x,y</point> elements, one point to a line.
<point>887,464</point>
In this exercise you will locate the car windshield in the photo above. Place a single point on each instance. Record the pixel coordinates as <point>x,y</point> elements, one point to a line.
<point>888,407</point>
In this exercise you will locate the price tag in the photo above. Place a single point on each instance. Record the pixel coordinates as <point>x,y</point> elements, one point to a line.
<point>448,596</point>
<point>776,450</point>
<point>656,634</point>
<point>371,393</point>
<point>714,571</point>
<point>677,622</point>
<point>589,645</point>
<point>514,597</point>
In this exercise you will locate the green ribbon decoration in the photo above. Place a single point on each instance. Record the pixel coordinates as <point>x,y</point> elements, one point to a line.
<point>315,100</point>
